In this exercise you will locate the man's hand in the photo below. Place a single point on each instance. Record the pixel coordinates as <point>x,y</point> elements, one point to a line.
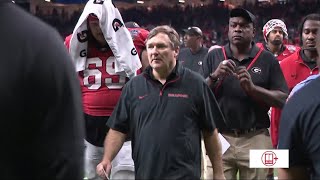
<point>218,176</point>
<point>103,169</point>
<point>245,79</point>
<point>225,68</point>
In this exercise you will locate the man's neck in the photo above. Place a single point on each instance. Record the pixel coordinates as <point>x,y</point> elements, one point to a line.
<point>162,75</point>
<point>311,54</point>
<point>274,49</point>
<point>195,49</point>
<point>240,52</point>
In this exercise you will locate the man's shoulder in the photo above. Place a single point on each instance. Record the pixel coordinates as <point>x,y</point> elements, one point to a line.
<point>184,50</point>
<point>291,48</point>
<point>138,78</point>
<point>303,83</point>
<point>268,56</point>
<point>184,54</point>
<point>294,56</point>
<point>193,77</point>
<point>308,95</point>
<point>205,49</point>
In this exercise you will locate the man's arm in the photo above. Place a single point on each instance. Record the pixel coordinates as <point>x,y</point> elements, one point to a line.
<point>293,173</point>
<point>274,98</point>
<point>113,143</point>
<point>213,148</point>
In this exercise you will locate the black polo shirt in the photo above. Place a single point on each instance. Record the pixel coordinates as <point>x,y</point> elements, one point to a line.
<point>300,128</point>
<point>311,63</point>
<point>165,121</point>
<point>191,60</point>
<point>240,110</point>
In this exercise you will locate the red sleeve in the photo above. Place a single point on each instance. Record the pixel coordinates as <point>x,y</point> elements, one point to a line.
<point>67,41</point>
<point>274,127</point>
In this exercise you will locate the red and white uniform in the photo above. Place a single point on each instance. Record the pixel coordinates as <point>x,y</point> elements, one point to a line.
<point>101,86</point>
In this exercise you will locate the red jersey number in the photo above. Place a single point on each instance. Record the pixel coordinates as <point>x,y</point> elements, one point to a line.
<point>97,74</point>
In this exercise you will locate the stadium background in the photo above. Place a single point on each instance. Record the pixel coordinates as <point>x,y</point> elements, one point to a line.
<point>210,15</point>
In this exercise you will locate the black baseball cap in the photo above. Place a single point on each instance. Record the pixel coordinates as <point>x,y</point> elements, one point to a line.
<point>193,31</point>
<point>240,12</point>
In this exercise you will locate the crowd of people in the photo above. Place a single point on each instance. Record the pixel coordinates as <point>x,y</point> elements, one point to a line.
<point>157,105</point>
<point>210,18</point>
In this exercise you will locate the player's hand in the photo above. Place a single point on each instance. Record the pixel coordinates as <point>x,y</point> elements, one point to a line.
<point>103,169</point>
<point>225,68</point>
<point>245,79</point>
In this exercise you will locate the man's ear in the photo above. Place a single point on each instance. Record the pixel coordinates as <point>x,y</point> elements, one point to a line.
<point>177,50</point>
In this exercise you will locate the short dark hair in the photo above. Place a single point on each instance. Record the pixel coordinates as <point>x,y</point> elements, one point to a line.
<point>312,17</point>
<point>172,34</point>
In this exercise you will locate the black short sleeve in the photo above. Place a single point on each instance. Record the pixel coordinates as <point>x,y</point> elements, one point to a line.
<point>277,80</point>
<point>211,116</point>
<point>119,119</point>
<point>206,67</point>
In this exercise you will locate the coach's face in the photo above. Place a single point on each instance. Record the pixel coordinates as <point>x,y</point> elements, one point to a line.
<point>161,52</point>
<point>191,40</point>
<point>240,31</point>
<point>309,33</point>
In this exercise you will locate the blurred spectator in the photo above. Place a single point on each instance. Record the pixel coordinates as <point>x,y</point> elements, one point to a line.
<point>208,18</point>
<point>192,55</point>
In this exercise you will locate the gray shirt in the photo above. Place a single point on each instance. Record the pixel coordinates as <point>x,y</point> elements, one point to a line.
<point>190,60</point>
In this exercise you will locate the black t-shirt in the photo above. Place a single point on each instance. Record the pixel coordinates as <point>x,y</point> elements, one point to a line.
<point>300,128</point>
<point>165,121</point>
<point>190,60</point>
<point>240,110</point>
<point>42,126</point>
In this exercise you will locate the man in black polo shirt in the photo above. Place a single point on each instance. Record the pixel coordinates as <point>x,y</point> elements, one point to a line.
<point>193,54</point>
<point>164,110</point>
<point>246,81</point>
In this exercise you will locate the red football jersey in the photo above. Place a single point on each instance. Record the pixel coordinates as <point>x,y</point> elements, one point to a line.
<point>101,86</point>
<point>139,37</point>
<point>287,50</point>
